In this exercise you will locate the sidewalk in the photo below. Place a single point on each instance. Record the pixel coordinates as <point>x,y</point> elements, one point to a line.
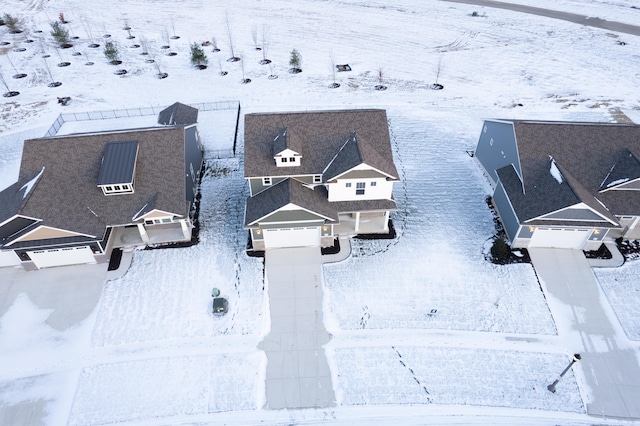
<point>298,374</point>
<point>587,323</point>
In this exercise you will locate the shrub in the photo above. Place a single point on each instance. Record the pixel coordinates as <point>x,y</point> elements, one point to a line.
<point>60,34</point>
<point>500,250</point>
<point>296,60</point>
<point>12,23</point>
<point>111,51</point>
<point>198,57</point>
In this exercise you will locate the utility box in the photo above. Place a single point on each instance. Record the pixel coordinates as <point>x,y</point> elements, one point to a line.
<point>220,305</point>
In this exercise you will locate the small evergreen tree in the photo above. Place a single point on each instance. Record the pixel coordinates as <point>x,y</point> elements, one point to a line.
<point>12,23</point>
<point>198,57</point>
<point>60,34</point>
<point>500,250</point>
<point>111,51</point>
<point>296,60</point>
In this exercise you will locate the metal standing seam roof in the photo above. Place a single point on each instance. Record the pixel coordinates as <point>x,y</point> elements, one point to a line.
<point>118,163</point>
<point>320,136</point>
<point>584,153</point>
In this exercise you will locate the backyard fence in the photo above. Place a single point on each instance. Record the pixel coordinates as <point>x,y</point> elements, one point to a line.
<point>132,112</point>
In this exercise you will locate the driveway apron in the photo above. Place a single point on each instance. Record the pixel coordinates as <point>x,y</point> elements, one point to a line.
<point>298,375</point>
<point>586,321</point>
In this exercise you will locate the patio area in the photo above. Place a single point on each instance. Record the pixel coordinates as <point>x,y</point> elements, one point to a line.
<point>362,223</point>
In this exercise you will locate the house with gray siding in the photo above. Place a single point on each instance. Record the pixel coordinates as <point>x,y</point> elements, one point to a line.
<point>315,176</point>
<point>563,184</point>
<point>78,196</point>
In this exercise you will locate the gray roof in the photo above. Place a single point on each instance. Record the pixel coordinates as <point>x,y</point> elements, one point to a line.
<point>293,191</point>
<point>178,114</point>
<point>13,198</point>
<point>318,136</point>
<point>118,163</point>
<point>585,154</point>
<point>67,197</point>
<point>285,192</point>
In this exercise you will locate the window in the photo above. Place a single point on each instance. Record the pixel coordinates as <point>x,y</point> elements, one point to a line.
<point>360,188</point>
<point>317,179</point>
<point>283,160</point>
<point>348,184</point>
<point>166,220</point>
<point>374,183</point>
<point>266,181</point>
<point>292,159</point>
<point>116,188</point>
<point>109,188</point>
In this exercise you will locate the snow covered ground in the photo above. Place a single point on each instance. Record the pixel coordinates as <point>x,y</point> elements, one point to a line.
<point>152,353</point>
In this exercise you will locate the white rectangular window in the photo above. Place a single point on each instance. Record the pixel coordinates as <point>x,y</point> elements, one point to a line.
<point>348,184</point>
<point>373,183</point>
<point>317,179</point>
<point>283,160</point>
<point>360,188</point>
<point>266,181</point>
<point>292,159</point>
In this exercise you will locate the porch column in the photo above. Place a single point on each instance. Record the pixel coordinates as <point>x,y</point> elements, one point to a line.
<point>386,221</point>
<point>186,229</point>
<point>357,222</point>
<point>143,233</point>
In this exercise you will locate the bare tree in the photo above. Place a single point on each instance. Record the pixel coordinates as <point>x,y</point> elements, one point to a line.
<point>265,43</point>
<point>244,79</point>
<point>333,85</point>
<point>214,43</point>
<point>233,57</point>
<point>380,75</point>
<point>254,36</point>
<point>9,93</point>
<point>438,69</point>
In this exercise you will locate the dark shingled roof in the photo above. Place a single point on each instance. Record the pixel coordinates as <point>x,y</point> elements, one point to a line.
<point>585,154</point>
<point>118,163</point>
<point>285,192</point>
<point>13,198</point>
<point>626,169</point>
<point>67,197</point>
<point>178,115</point>
<point>320,135</point>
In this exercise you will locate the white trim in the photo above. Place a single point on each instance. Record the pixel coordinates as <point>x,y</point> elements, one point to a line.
<point>355,168</point>
<point>40,227</point>
<point>21,216</point>
<point>259,220</point>
<point>579,205</point>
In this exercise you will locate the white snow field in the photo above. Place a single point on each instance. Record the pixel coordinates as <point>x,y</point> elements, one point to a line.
<point>424,329</point>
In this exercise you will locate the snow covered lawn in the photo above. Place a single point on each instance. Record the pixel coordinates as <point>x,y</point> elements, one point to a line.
<point>622,287</point>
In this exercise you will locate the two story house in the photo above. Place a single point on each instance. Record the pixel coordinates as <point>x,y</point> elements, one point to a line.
<point>80,195</point>
<point>563,184</point>
<point>314,176</point>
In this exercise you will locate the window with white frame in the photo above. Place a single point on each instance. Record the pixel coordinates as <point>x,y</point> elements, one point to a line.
<point>292,159</point>
<point>374,183</point>
<point>118,189</point>
<point>348,184</point>
<point>317,178</point>
<point>158,221</point>
<point>360,188</point>
<point>283,160</point>
<point>266,181</point>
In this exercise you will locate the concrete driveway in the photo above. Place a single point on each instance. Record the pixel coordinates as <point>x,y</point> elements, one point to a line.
<point>587,323</point>
<point>71,291</point>
<point>298,375</point>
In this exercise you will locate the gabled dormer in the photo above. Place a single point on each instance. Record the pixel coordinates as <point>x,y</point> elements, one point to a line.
<point>286,150</point>
<point>118,168</point>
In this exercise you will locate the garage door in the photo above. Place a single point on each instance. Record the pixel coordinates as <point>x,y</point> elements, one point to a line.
<point>559,238</point>
<point>292,237</point>
<point>62,257</point>
<point>9,258</point>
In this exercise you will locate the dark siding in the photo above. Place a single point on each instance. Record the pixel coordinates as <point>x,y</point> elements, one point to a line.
<point>257,186</point>
<point>193,159</point>
<point>507,215</point>
<point>14,226</point>
<point>502,152</point>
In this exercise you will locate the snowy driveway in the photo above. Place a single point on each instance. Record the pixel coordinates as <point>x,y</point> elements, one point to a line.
<point>298,375</point>
<point>585,320</point>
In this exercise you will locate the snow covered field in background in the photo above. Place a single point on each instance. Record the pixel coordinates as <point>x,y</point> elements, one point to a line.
<point>152,353</point>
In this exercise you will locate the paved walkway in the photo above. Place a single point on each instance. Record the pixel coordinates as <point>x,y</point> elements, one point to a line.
<point>587,323</point>
<point>555,14</point>
<point>298,375</point>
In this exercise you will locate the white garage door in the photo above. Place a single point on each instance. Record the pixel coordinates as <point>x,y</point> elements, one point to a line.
<point>9,258</point>
<point>61,257</point>
<point>559,238</point>
<point>292,237</point>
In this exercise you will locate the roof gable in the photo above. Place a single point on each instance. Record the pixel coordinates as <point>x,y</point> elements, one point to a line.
<point>178,114</point>
<point>285,194</point>
<point>625,170</point>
